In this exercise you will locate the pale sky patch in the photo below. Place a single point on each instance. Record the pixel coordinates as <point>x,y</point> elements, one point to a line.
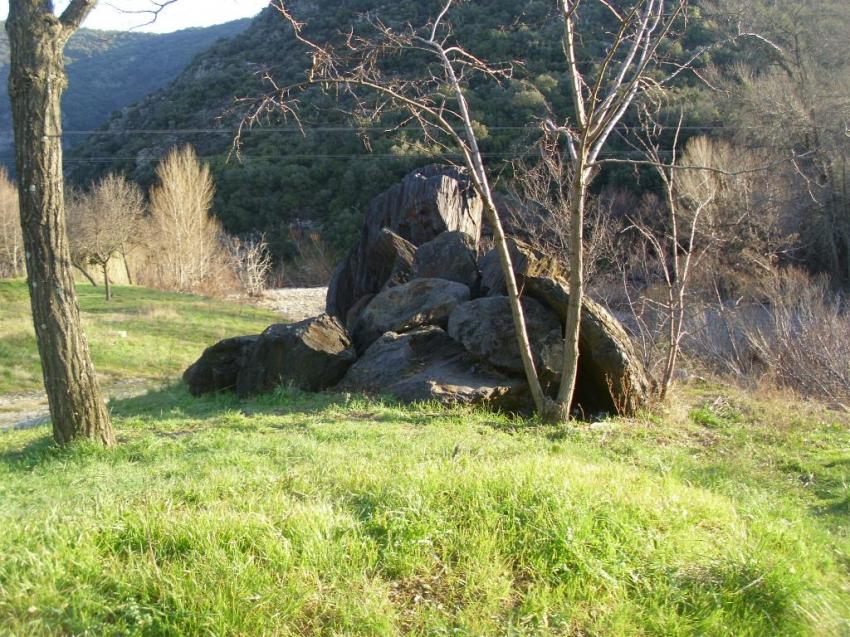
<point>180,15</point>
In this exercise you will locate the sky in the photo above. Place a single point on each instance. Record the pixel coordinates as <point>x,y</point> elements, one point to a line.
<point>180,15</point>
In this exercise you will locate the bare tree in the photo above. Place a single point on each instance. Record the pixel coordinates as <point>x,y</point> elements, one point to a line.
<point>11,240</point>
<point>184,238</point>
<point>37,79</point>
<point>251,261</point>
<point>676,246</point>
<point>602,93</point>
<point>104,222</point>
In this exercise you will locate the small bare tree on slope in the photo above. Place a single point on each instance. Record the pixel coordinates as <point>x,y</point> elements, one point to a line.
<point>104,222</point>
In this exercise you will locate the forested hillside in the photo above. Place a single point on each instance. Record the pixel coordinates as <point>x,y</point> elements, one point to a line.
<point>775,90</point>
<point>326,174</point>
<point>108,71</point>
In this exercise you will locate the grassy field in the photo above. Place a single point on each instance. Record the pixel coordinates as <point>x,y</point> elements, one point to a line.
<point>726,514</point>
<point>139,334</point>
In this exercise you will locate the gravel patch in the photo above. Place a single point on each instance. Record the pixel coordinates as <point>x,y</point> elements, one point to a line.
<point>295,304</point>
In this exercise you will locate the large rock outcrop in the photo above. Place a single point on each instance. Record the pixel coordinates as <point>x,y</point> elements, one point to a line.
<point>451,255</point>
<point>426,364</point>
<point>405,307</point>
<point>485,327</point>
<point>428,202</point>
<point>430,321</point>
<point>312,355</point>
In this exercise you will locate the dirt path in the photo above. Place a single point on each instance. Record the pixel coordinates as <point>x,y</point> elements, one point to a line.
<point>29,409</point>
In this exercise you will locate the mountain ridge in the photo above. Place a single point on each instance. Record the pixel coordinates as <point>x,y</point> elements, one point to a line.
<point>110,70</point>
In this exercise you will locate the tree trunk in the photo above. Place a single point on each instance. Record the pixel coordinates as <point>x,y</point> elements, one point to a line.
<point>127,268</point>
<point>573,323</point>
<point>36,82</point>
<point>106,283</point>
<point>86,274</point>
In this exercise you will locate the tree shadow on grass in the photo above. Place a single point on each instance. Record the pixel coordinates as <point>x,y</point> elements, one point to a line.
<point>174,402</point>
<point>32,454</point>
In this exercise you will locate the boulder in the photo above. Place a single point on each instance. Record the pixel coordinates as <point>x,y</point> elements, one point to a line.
<point>390,259</point>
<point>485,327</point>
<point>451,255</point>
<point>402,308</point>
<point>311,355</point>
<point>426,364</point>
<point>219,365</point>
<point>356,310</point>
<point>527,262</point>
<point>428,202</point>
<point>611,376</point>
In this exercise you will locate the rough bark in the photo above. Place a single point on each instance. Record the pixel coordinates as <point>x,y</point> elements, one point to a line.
<point>36,82</point>
<point>573,323</point>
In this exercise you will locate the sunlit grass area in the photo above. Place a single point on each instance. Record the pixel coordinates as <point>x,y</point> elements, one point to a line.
<point>141,333</point>
<point>330,515</point>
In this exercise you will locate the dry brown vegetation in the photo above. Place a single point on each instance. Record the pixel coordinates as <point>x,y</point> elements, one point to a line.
<point>104,225</point>
<point>11,241</point>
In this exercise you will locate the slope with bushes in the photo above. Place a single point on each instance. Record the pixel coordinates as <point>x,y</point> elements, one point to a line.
<point>328,174</point>
<point>109,70</point>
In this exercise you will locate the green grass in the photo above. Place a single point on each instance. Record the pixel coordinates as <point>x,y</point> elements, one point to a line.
<point>141,333</point>
<point>726,514</point>
<point>326,515</point>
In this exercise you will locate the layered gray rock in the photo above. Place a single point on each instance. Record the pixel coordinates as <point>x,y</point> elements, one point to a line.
<point>426,364</point>
<point>390,259</point>
<point>219,365</point>
<point>452,256</point>
<point>428,202</point>
<point>313,354</point>
<point>611,377</point>
<point>404,307</point>
<point>526,261</point>
<point>485,327</point>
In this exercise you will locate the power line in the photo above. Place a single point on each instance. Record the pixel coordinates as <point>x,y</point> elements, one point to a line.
<point>384,129</point>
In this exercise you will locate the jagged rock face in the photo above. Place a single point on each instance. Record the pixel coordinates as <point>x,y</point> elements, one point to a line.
<point>428,202</point>
<point>611,377</point>
<point>485,327</point>
<point>402,308</point>
<point>452,256</point>
<point>219,365</point>
<point>526,262</point>
<point>313,354</point>
<point>390,259</point>
<point>426,364</point>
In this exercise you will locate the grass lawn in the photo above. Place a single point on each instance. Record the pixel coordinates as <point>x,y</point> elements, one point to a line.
<point>141,333</point>
<point>325,515</point>
<point>727,514</point>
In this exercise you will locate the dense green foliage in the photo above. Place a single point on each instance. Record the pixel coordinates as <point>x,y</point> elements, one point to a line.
<point>778,72</point>
<point>329,176</point>
<point>318,515</point>
<point>139,334</point>
<point>108,71</point>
